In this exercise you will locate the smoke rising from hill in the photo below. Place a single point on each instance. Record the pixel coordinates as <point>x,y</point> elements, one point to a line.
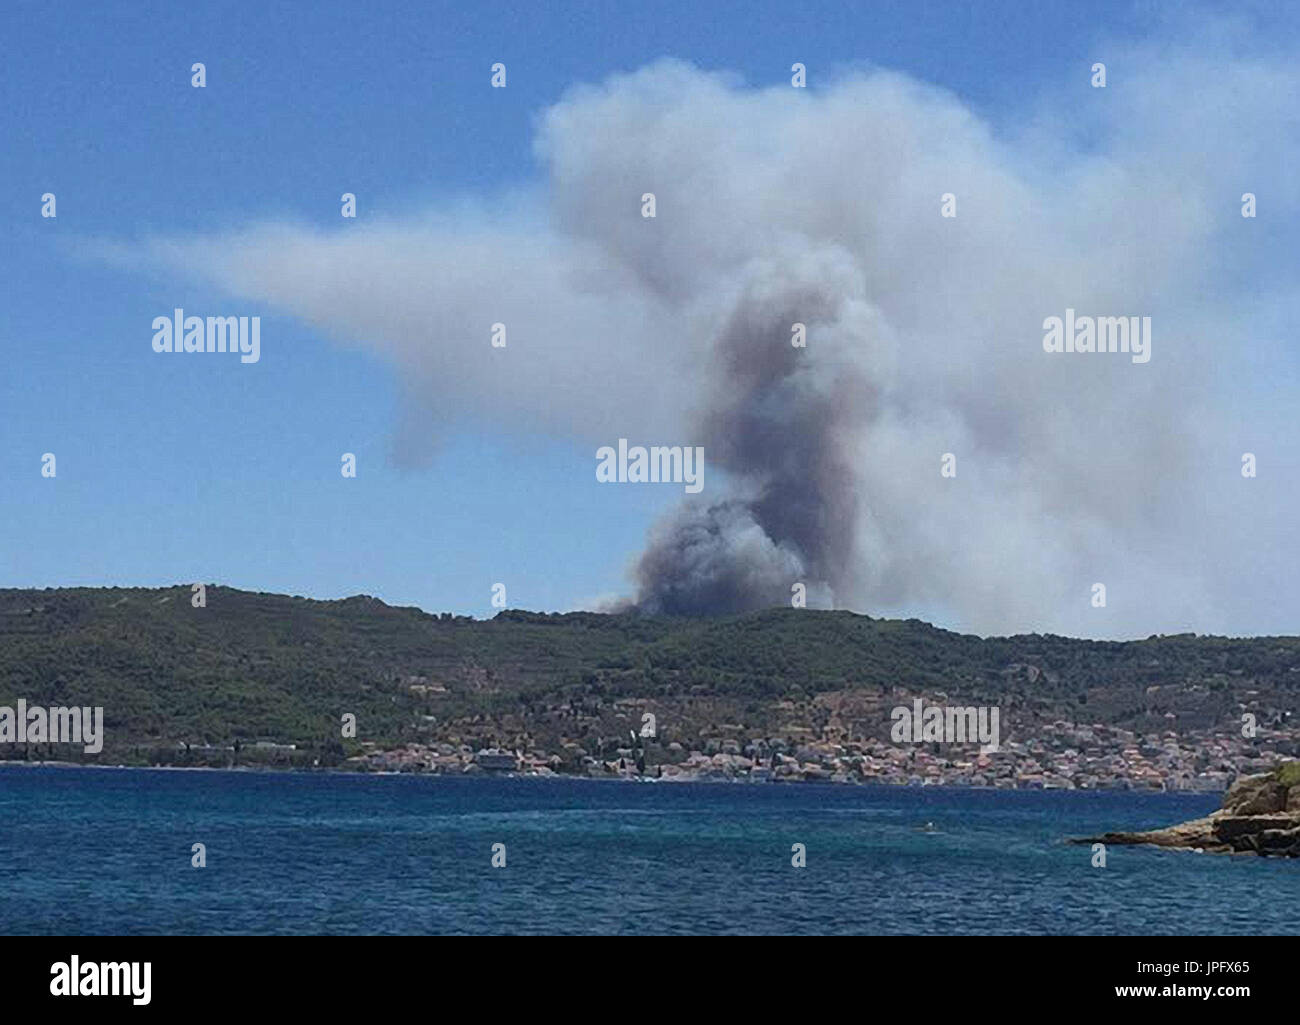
<point>777,206</point>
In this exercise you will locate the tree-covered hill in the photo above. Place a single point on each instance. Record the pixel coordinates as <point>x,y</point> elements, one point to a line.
<point>252,667</point>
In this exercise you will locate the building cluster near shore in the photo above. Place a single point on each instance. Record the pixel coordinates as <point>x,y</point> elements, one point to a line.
<point>1062,755</point>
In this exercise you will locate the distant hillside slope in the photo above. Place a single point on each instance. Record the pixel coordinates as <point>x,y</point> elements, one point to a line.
<point>261,667</point>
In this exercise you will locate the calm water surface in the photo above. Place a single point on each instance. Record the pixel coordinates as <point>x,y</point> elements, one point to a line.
<point>89,851</point>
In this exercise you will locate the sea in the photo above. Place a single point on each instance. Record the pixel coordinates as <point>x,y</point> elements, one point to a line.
<point>100,851</point>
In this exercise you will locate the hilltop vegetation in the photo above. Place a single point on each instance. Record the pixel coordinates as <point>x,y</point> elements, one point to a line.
<point>253,667</point>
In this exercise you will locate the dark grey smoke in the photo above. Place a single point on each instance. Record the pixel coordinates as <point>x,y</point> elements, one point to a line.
<point>781,424</point>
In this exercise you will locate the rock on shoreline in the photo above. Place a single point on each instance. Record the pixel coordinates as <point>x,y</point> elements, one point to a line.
<point>1260,815</point>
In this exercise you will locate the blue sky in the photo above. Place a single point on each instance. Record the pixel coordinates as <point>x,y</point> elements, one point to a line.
<point>173,471</point>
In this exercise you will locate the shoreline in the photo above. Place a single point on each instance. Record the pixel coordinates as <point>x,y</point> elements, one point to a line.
<point>1260,815</point>
<point>673,780</point>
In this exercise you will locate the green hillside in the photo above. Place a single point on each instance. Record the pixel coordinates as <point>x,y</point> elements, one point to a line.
<point>253,667</point>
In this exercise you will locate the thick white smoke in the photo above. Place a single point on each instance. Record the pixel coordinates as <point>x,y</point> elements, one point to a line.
<point>779,205</point>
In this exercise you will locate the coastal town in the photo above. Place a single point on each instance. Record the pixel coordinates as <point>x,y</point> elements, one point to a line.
<point>1061,755</point>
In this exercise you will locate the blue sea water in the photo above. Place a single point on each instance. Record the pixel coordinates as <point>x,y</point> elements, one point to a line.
<point>107,851</point>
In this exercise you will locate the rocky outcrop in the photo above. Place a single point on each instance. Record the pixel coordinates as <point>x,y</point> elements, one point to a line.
<point>1256,795</point>
<point>1260,815</point>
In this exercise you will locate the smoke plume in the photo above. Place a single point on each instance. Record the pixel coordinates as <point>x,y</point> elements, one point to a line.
<point>822,207</point>
<point>783,425</point>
